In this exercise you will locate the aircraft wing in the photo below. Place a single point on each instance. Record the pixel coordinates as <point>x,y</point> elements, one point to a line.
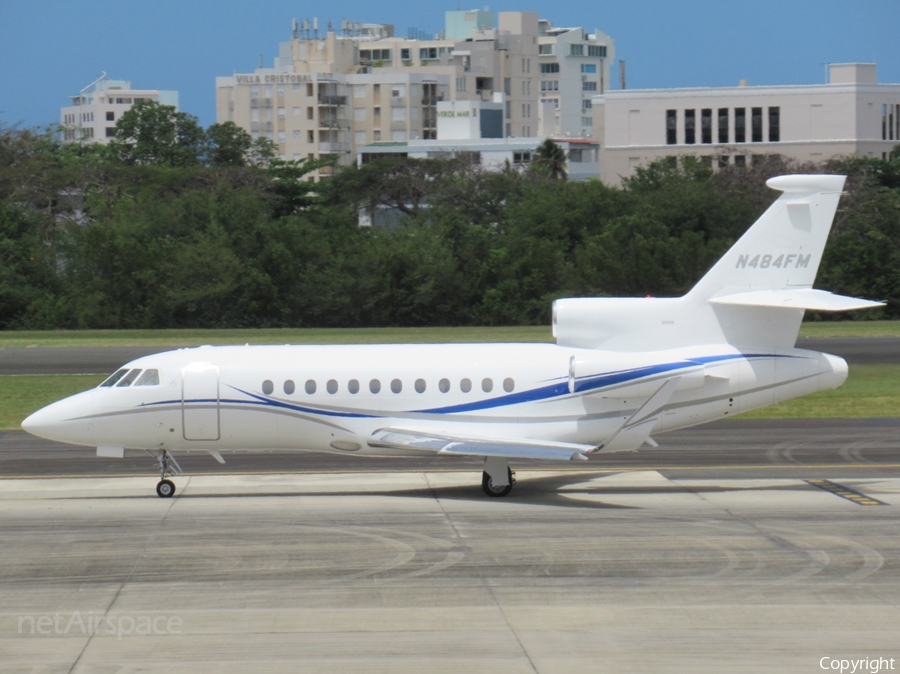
<point>399,438</point>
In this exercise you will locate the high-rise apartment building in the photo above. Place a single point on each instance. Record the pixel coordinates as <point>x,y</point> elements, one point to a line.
<point>330,94</point>
<point>95,109</point>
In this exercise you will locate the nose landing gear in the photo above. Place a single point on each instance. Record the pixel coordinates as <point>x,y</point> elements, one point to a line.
<point>167,466</point>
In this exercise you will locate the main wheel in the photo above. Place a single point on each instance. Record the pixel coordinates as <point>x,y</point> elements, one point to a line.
<point>165,489</point>
<point>488,485</point>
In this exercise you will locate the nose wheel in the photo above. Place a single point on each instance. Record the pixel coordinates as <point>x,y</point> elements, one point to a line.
<point>165,489</point>
<point>167,466</point>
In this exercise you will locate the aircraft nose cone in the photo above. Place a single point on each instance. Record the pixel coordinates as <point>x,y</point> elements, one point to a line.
<point>63,421</point>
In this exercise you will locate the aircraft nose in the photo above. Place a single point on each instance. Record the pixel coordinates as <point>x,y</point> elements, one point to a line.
<point>67,420</point>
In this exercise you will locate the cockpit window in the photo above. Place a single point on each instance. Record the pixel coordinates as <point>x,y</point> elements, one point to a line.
<point>128,378</point>
<point>113,378</point>
<point>149,378</point>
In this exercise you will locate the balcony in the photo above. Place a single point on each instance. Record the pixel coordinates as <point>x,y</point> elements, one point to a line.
<point>398,101</point>
<point>333,147</point>
<point>432,100</point>
<point>331,101</point>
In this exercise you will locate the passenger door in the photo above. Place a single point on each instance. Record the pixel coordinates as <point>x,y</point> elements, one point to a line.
<point>200,401</point>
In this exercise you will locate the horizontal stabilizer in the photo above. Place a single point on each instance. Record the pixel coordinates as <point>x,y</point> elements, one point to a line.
<point>797,298</point>
<point>399,438</point>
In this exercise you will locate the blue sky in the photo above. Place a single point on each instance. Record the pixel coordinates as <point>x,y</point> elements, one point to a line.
<point>49,49</point>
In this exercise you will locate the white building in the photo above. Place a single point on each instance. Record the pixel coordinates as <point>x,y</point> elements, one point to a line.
<point>95,109</point>
<point>851,115</point>
<point>332,92</point>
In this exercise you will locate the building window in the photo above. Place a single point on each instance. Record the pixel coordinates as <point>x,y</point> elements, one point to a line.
<point>589,67</point>
<point>110,132</point>
<point>589,86</point>
<point>545,49</point>
<point>740,160</point>
<point>597,51</point>
<point>756,124</point>
<point>671,127</point>
<point>309,113</point>
<point>310,136</point>
<point>774,125</point>
<point>295,86</point>
<point>268,91</point>
<point>281,137</point>
<point>740,126</point>
<point>723,160</point>
<point>690,127</point>
<point>110,116</point>
<point>359,137</point>
<point>281,114</point>
<point>576,50</point>
<point>507,86</point>
<point>550,85</point>
<point>547,68</point>
<point>586,104</point>
<point>460,85</point>
<point>280,91</point>
<point>706,126</point>
<point>254,91</point>
<point>587,121</point>
<point>359,91</point>
<point>309,89</point>
<point>723,125</point>
<point>428,54</point>
<point>359,114</point>
<point>404,55</point>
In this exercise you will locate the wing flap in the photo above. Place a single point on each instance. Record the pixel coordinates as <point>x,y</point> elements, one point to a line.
<point>797,298</point>
<point>398,438</point>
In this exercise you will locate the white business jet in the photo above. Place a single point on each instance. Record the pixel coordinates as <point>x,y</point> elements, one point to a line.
<point>622,370</point>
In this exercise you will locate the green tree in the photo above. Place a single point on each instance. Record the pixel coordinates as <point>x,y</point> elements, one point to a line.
<point>550,159</point>
<point>229,145</point>
<point>152,133</point>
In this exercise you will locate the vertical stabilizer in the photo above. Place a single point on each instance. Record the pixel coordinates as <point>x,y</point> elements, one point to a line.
<point>782,249</point>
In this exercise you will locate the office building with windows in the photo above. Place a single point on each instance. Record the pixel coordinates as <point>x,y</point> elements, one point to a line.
<point>850,115</point>
<point>331,92</point>
<point>94,111</point>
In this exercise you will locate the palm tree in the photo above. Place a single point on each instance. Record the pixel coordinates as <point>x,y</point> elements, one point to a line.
<point>550,158</point>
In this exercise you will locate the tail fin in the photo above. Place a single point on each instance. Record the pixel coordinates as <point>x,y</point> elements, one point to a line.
<point>754,296</point>
<point>783,249</point>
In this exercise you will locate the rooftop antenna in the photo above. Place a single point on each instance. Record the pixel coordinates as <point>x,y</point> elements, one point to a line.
<point>295,29</point>
<point>306,28</point>
<point>260,60</point>
<point>316,27</point>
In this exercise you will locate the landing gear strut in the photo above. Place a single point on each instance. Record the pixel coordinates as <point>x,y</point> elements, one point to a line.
<point>497,479</point>
<point>167,466</point>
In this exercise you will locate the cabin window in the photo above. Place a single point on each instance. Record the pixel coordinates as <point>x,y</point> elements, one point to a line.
<point>509,384</point>
<point>310,386</point>
<point>487,384</point>
<point>420,386</point>
<point>375,386</point>
<point>465,385</point>
<point>128,378</point>
<point>353,386</point>
<point>268,387</point>
<point>114,377</point>
<point>444,385</point>
<point>149,378</point>
<point>289,387</point>
<point>396,386</point>
<point>331,386</point>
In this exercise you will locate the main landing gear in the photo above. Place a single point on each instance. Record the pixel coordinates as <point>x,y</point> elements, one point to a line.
<point>497,479</point>
<point>167,466</point>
